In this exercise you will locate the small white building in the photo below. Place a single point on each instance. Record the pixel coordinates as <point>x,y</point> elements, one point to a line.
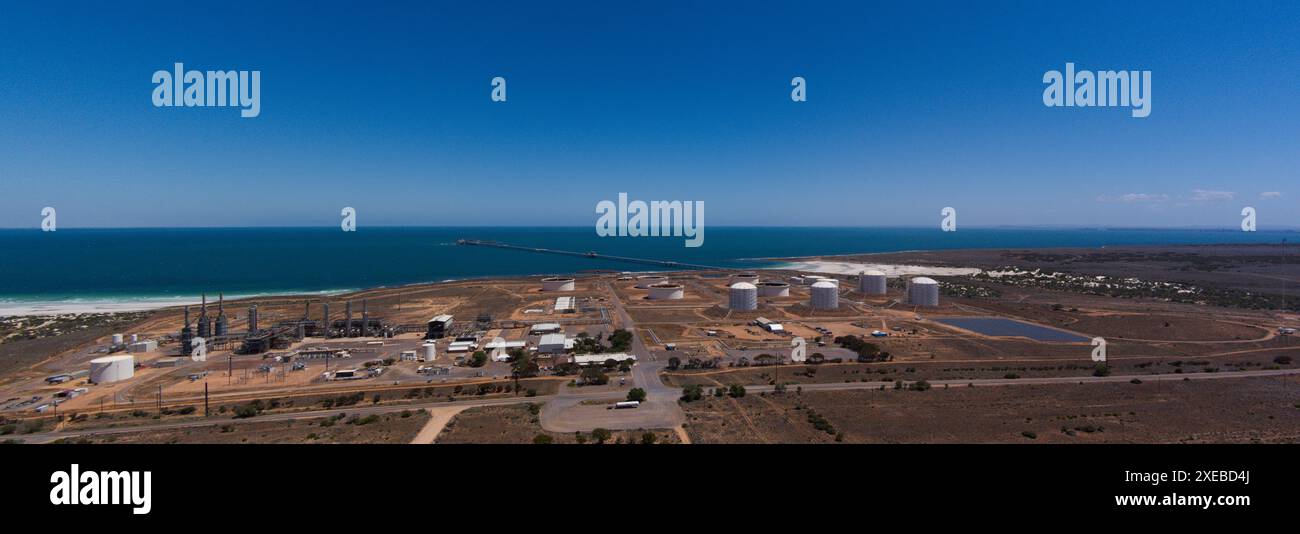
<point>564,305</point>
<point>600,359</point>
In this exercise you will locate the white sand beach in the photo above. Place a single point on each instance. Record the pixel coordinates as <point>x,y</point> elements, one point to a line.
<point>853,268</point>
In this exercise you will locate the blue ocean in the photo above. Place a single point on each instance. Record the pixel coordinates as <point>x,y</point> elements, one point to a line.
<point>120,265</point>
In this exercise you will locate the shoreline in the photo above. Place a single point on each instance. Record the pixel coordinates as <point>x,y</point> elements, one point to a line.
<point>851,264</point>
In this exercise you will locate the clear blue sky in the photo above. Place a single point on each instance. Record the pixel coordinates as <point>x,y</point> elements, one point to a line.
<point>912,106</point>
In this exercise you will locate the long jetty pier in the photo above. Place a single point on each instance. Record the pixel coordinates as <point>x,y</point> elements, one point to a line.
<point>593,255</point>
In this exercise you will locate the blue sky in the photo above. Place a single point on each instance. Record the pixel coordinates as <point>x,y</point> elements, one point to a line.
<point>912,106</point>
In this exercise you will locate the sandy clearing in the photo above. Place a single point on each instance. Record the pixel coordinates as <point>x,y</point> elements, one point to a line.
<point>438,418</point>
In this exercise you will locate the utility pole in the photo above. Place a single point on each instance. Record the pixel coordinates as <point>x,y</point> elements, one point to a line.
<point>205,398</point>
<point>230,371</point>
<point>160,401</point>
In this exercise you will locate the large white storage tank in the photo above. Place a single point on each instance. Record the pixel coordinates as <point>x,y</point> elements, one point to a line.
<point>812,279</point>
<point>430,351</point>
<point>825,296</point>
<point>557,284</point>
<point>747,277</point>
<point>744,296</point>
<point>871,283</point>
<point>923,291</point>
<point>117,339</point>
<point>773,289</point>
<point>112,368</point>
<point>646,280</point>
<point>666,291</point>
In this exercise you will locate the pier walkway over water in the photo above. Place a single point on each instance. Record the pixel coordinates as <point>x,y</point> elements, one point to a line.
<point>659,263</point>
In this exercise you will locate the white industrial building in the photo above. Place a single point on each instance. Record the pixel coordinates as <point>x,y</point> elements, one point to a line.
<point>147,345</point>
<point>744,296</point>
<point>112,368</point>
<point>545,328</point>
<point>600,359</point>
<point>825,296</point>
<point>773,289</point>
<point>666,291</point>
<point>407,356</point>
<point>503,344</point>
<point>554,344</point>
<point>460,346</point>
<point>768,325</point>
<point>872,283</point>
<point>564,305</point>
<point>922,291</point>
<point>557,284</point>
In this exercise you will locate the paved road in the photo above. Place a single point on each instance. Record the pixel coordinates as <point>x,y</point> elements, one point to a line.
<point>634,419</point>
<point>838,386</point>
<point>566,413</point>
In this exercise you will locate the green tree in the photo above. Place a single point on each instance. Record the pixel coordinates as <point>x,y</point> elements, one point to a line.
<point>674,363</point>
<point>543,439</point>
<point>736,391</point>
<point>636,394</point>
<point>479,359</point>
<point>601,435</point>
<point>692,393</point>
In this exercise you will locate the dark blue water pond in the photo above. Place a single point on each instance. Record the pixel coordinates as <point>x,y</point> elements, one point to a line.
<point>999,326</point>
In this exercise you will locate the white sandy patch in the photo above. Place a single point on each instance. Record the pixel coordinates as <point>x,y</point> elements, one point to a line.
<point>854,268</point>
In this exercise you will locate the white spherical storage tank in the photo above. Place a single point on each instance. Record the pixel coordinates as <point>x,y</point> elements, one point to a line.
<point>112,368</point>
<point>557,284</point>
<point>666,291</point>
<point>744,296</point>
<point>773,289</point>
<point>923,291</point>
<point>825,296</point>
<point>872,283</point>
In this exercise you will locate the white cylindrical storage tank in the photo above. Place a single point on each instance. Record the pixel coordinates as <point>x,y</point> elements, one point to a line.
<point>812,279</point>
<point>773,289</point>
<point>112,368</point>
<point>872,283</point>
<point>430,351</point>
<point>645,281</point>
<point>135,338</point>
<point>666,291</point>
<point>825,296</point>
<point>744,296</point>
<point>747,277</point>
<point>923,291</point>
<point>117,339</point>
<point>557,284</point>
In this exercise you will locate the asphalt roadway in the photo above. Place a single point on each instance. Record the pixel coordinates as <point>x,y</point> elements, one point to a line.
<point>620,420</point>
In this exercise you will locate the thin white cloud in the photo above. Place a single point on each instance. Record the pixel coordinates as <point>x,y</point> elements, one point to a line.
<point>1135,198</point>
<point>1203,195</point>
<point>1270,194</point>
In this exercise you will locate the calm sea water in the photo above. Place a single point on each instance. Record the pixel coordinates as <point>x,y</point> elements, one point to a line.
<point>82,265</point>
